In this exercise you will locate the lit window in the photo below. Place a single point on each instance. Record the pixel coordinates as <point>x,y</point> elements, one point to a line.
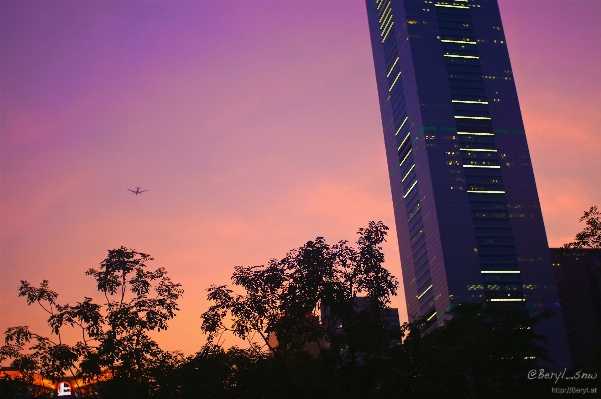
<point>402,124</point>
<point>507,300</point>
<point>477,149</point>
<point>410,188</point>
<point>500,271</point>
<point>476,134</point>
<point>461,56</point>
<point>457,41</point>
<point>392,67</point>
<point>470,102</point>
<point>406,156</point>
<point>472,117</point>
<point>422,294</point>
<point>395,80</point>
<point>482,166</point>
<point>407,174</point>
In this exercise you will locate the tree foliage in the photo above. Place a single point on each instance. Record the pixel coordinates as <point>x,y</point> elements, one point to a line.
<point>309,296</point>
<point>589,240</point>
<point>114,331</point>
<point>309,335</point>
<point>590,236</point>
<point>480,351</point>
<point>309,299</point>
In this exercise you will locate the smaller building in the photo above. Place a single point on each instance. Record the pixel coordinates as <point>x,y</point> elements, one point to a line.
<point>388,316</point>
<point>578,276</point>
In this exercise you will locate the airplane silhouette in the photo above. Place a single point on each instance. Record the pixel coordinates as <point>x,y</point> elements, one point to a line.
<point>137,191</point>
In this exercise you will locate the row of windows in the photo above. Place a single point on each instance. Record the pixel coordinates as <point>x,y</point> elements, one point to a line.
<point>406,166</point>
<point>421,288</point>
<point>490,215</point>
<point>472,137</point>
<point>481,163</point>
<point>427,299</point>
<point>414,212</point>
<point>471,154</point>
<point>423,279</point>
<point>463,36</point>
<point>425,309</point>
<point>417,244</point>
<point>492,232</point>
<point>455,67</point>
<point>505,287</point>
<point>502,277</point>
<point>470,109</point>
<point>467,93</point>
<point>464,75</point>
<point>505,296</point>
<point>419,249</point>
<point>421,265</point>
<point>399,112</point>
<point>396,96</point>
<point>489,188</point>
<point>459,48</point>
<point>447,25</point>
<point>486,173</point>
<point>489,205</point>
<point>497,258</point>
<point>486,148</point>
<point>459,61</point>
<point>494,240</point>
<point>466,145</point>
<point>496,287</point>
<point>496,249</point>
<point>415,220</point>
<point>471,96</point>
<point>417,235</point>
<point>492,223</point>
<point>454,13</point>
<point>455,31</point>
<point>410,174</point>
<point>474,85</point>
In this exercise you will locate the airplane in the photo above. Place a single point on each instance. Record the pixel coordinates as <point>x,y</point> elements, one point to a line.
<point>137,191</point>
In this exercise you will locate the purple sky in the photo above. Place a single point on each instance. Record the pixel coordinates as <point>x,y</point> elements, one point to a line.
<point>255,127</point>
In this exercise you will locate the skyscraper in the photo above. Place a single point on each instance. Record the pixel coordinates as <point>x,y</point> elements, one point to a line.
<point>467,213</point>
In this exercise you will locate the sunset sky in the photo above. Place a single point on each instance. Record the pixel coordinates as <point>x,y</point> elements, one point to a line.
<point>254,125</point>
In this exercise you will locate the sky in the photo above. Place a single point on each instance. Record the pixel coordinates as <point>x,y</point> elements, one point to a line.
<point>255,127</point>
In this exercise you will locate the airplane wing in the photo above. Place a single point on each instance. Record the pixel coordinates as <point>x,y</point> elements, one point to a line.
<point>131,190</point>
<point>143,191</point>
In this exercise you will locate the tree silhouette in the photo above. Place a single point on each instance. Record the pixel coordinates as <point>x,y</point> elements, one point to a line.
<point>310,298</point>
<point>590,237</point>
<point>114,332</point>
<point>480,351</point>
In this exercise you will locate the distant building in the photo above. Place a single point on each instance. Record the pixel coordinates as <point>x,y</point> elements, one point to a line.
<point>578,276</point>
<point>468,217</point>
<point>389,317</point>
<point>313,347</point>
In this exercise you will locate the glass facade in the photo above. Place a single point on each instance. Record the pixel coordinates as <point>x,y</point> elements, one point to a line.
<point>467,212</point>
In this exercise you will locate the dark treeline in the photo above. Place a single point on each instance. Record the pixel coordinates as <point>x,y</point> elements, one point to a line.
<point>316,325</point>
